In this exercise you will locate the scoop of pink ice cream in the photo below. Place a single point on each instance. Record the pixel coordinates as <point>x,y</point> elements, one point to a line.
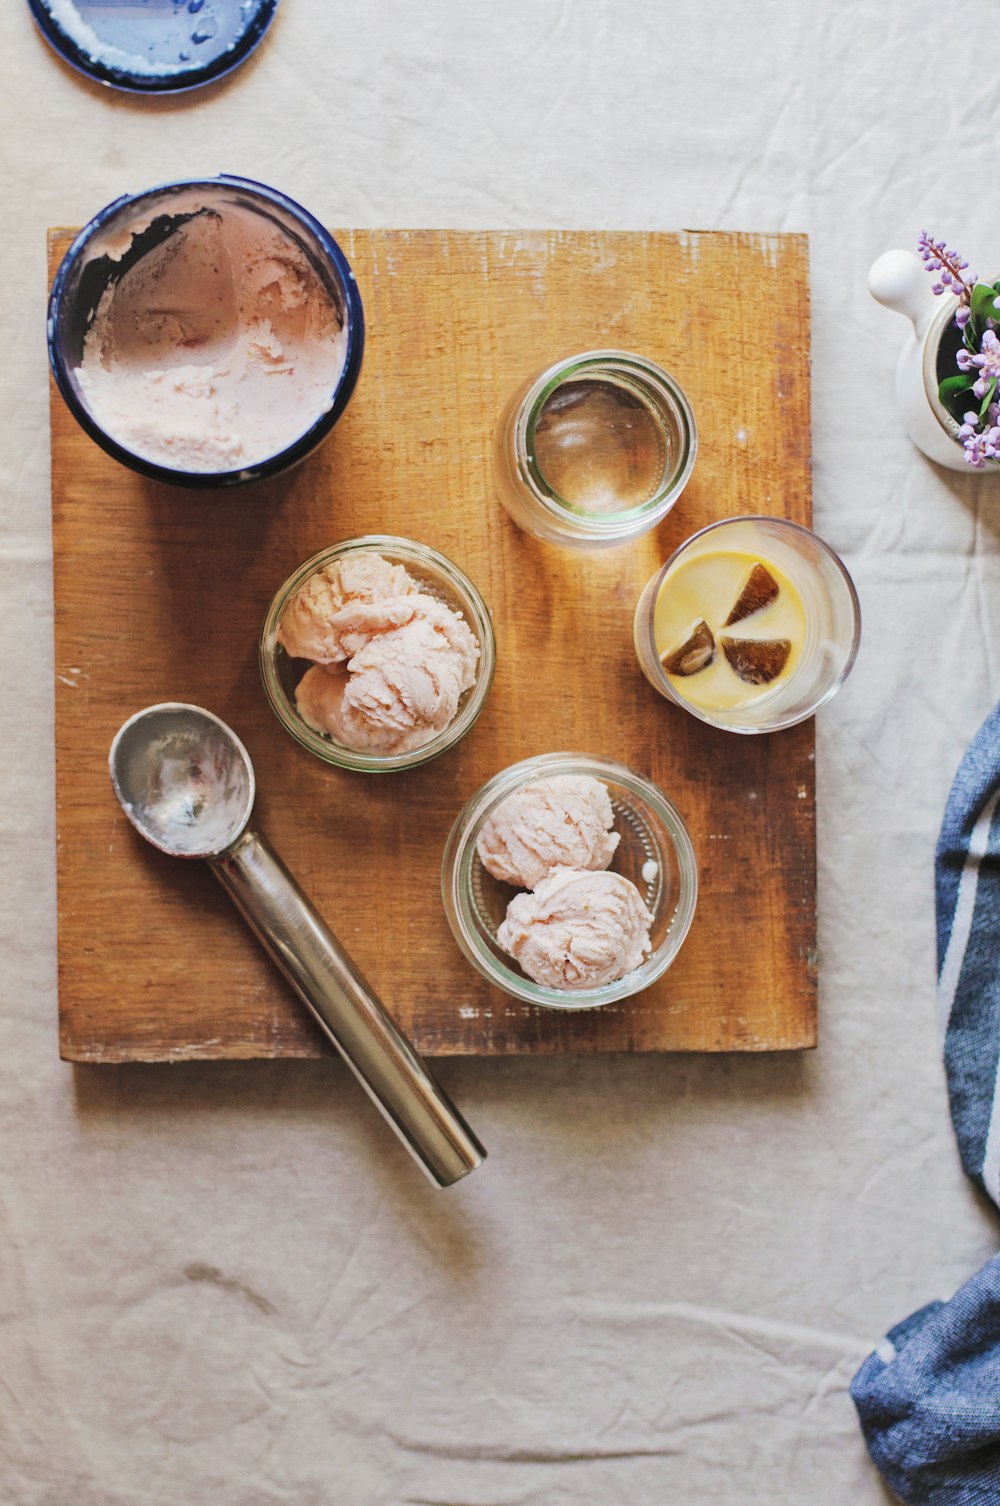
<point>321,699</point>
<point>405,684</point>
<point>313,623</point>
<point>358,623</point>
<point>578,930</point>
<point>452,631</point>
<point>402,686</point>
<point>562,822</point>
<point>354,625</point>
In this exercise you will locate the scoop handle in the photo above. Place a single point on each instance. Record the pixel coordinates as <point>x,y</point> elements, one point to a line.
<point>347,1010</point>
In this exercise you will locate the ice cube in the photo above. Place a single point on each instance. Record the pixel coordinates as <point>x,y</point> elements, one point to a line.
<point>695,653</point>
<point>761,589</point>
<point>757,661</point>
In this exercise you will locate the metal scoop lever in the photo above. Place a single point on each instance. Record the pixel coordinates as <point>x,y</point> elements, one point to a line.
<point>186,783</point>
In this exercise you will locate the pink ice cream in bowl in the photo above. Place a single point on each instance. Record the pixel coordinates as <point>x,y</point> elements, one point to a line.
<point>206,332</point>
<point>377,654</point>
<point>569,881</point>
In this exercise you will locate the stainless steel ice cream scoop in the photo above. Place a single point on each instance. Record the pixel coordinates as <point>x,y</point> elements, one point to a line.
<point>186,783</point>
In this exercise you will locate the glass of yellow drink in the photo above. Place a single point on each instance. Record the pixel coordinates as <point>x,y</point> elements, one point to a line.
<point>751,625</point>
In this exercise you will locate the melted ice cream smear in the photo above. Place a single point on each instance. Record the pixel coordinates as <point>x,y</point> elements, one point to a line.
<point>217,349</point>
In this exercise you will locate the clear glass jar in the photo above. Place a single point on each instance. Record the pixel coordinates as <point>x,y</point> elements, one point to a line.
<point>594,450</point>
<point>655,852</point>
<point>437,577</point>
<point>830,609</point>
<point>135,225</point>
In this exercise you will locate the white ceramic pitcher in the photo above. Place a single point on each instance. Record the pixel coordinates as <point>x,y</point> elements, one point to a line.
<point>899,280</point>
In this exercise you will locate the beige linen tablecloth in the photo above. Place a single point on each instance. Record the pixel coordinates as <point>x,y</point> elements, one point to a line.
<point>228,1284</point>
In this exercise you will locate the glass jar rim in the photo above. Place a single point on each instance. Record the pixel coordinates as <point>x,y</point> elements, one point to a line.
<point>473,606</point>
<point>460,848</point>
<point>782,524</point>
<point>602,525</point>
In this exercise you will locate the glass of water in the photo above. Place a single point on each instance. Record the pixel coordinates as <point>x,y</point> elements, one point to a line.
<point>594,450</point>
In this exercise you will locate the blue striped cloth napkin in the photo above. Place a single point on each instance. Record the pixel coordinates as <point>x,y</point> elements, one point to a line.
<point>929,1396</point>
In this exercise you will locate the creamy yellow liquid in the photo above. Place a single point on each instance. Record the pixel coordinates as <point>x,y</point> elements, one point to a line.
<point>707,588</point>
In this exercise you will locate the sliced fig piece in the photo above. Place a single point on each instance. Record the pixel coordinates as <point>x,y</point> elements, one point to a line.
<point>758,661</point>
<point>760,590</point>
<point>695,653</point>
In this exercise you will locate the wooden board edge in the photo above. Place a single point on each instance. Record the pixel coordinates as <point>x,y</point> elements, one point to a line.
<point>78,1052</point>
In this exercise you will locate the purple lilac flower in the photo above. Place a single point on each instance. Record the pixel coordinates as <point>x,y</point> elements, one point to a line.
<point>973,441</point>
<point>981,445</point>
<point>987,363</point>
<point>937,257</point>
<point>980,436</point>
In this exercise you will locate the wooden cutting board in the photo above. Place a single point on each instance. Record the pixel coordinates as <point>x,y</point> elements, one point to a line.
<point>160,593</point>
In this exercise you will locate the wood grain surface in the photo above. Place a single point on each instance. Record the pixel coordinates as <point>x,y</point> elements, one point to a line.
<point>160,593</point>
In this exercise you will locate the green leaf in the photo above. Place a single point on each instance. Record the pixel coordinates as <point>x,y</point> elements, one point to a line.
<point>982,309</point>
<point>952,394</point>
<point>954,385</point>
<point>983,295</point>
<point>991,389</point>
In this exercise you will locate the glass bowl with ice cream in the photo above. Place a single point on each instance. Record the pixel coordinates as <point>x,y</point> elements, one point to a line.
<point>751,625</point>
<point>377,654</point>
<point>569,881</point>
<point>206,332</point>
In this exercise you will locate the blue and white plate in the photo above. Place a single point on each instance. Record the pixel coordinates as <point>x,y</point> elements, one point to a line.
<point>154,46</point>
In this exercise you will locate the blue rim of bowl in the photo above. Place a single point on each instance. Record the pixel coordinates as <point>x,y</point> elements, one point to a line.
<point>133,82</point>
<point>306,442</point>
